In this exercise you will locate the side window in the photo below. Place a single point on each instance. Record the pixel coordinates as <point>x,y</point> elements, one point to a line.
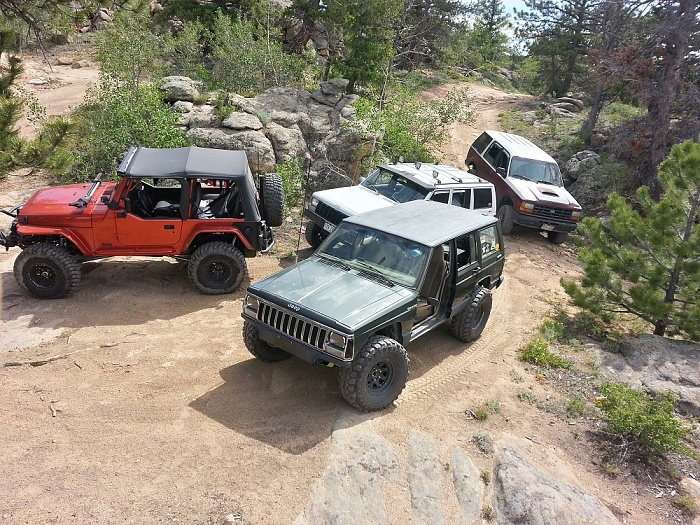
<point>483,198</point>
<point>460,198</point>
<point>502,162</point>
<point>492,154</point>
<point>465,251</point>
<point>489,241</point>
<point>442,196</point>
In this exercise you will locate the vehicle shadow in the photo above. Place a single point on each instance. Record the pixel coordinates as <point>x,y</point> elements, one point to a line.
<point>293,406</point>
<point>288,405</point>
<point>116,292</point>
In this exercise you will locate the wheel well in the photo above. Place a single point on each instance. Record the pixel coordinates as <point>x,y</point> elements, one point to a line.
<point>204,238</point>
<point>393,331</point>
<point>57,240</point>
<point>505,201</point>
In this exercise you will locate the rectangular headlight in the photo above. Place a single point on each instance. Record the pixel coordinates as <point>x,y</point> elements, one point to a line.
<point>250,303</point>
<point>576,215</point>
<point>526,207</point>
<point>313,203</point>
<point>337,340</point>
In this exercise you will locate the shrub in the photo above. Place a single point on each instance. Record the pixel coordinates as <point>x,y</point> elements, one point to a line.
<point>645,422</point>
<point>292,173</point>
<point>537,352</point>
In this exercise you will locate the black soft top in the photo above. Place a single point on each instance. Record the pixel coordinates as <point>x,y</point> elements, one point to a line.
<point>426,222</point>
<point>191,162</point>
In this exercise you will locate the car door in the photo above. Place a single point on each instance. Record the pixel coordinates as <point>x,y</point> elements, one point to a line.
<point>468,266</point>
<point>138,230</point>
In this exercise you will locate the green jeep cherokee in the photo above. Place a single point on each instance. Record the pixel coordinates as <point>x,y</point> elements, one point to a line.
<point>379,281</point>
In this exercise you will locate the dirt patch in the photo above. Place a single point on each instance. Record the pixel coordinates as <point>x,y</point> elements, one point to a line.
<point>138,402</point>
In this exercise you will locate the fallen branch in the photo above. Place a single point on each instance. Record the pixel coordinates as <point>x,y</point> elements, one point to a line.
<point>40,362</point>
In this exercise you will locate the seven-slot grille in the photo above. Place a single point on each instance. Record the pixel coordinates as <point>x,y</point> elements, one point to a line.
<point>552,213</point>
<point>328,213</point>
<point>294,326</point>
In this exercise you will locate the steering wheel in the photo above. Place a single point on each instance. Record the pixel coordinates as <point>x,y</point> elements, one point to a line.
<point>145,203</point>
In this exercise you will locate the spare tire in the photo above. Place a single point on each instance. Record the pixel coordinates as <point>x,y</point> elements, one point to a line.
<point>273,199</point>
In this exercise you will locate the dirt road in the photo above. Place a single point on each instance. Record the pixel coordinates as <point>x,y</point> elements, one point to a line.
<point>151,410</point>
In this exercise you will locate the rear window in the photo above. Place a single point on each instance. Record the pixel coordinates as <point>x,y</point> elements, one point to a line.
<point>482,142</point>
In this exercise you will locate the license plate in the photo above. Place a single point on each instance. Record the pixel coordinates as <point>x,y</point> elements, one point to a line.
<point>327,226</point>
<point>547,227</point>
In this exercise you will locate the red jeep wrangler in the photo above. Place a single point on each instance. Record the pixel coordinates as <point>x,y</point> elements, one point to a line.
<point>196,204</point>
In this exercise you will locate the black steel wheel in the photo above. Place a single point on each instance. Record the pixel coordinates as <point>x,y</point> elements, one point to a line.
<point>47,271</point>
<point>506,214</point>
<point>273,199</point>
<point>470,322</point>
<point>377,375</point>
<point>314,234</point>
<point>259,348</point>
<point>217,268</point>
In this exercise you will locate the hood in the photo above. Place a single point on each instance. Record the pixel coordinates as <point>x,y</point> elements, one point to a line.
<point>544,193</point>
<point>349,297</point>
<point>353,200</point>
<point>46,207</point>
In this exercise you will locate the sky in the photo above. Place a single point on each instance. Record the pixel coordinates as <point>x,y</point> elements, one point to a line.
<point>510,4</point>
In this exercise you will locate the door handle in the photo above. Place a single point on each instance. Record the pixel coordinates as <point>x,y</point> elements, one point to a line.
<point>169,227</point>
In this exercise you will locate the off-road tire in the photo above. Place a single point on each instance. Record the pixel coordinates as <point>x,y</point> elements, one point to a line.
<point>217,268</point>
<point>377,375</point>
<point>47,271</point>
<point>506,214</point>
<point>470,322</point>
<point>557,237</point>
<point>314,234</point>
<point>259,348</point>
<point>273,199</point>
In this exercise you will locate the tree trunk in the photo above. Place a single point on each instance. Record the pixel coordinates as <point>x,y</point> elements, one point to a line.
<point>663,93</point>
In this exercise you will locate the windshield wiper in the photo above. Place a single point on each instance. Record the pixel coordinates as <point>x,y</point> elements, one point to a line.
<point>374,271</point>
<point>335,259</point>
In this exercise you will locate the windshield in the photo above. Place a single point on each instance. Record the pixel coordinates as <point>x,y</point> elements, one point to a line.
<point>398,260</point>
<point>394,186</point>
<point>536,170</point>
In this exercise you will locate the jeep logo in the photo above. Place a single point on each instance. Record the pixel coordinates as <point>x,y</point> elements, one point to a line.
<point>293,306</point>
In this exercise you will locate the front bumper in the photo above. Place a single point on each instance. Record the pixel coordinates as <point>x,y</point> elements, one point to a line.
<point>543,223</point>
<point>293,346</point>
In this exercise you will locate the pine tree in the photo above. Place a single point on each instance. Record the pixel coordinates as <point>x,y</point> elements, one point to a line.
<point>645,261</point>
<point>10,106</point>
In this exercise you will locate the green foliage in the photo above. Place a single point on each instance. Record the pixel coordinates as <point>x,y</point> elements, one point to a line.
<point>687,505</point>
<point>115,117</point>
<point>644,260</point>
<point>648,423</point>
<point>576,407</point>
<point>292,173</point>
<point>247,64</point>
<point>185,56</point>
<point>486,43</point>
<point>538,353</point>
<point>368,36</point>
<point>483,442</point>
<point>129,51</point>
<point>406,126</point>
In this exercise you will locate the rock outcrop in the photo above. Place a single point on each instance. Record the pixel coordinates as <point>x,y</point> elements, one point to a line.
<point>279,125</point>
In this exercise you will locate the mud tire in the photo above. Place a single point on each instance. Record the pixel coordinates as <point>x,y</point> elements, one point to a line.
<point>259,348</point>
<point>470,322</point>
<point>273,199</point>
<point>377,375</point>
<point>314,234</point>
<point>557,237</point>
<point>506,214</point>
<point>217,268</point>
<point>47,271</point>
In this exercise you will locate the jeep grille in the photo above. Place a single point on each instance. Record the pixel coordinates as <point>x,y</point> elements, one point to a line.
<point>552,213</point>
<point>294,326</point>
<point>328,213</point>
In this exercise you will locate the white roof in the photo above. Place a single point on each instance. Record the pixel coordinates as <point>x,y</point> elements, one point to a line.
<point>432,175</point>
<point>519,146</point>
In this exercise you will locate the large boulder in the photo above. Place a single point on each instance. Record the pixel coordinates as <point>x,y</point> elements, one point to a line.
<point>179,88</point>
<point>658,364</point>
<point>527,495</point>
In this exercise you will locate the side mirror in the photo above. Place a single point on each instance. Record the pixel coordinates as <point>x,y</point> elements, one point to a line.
<point>501,171</point>
<point>127,204</point>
